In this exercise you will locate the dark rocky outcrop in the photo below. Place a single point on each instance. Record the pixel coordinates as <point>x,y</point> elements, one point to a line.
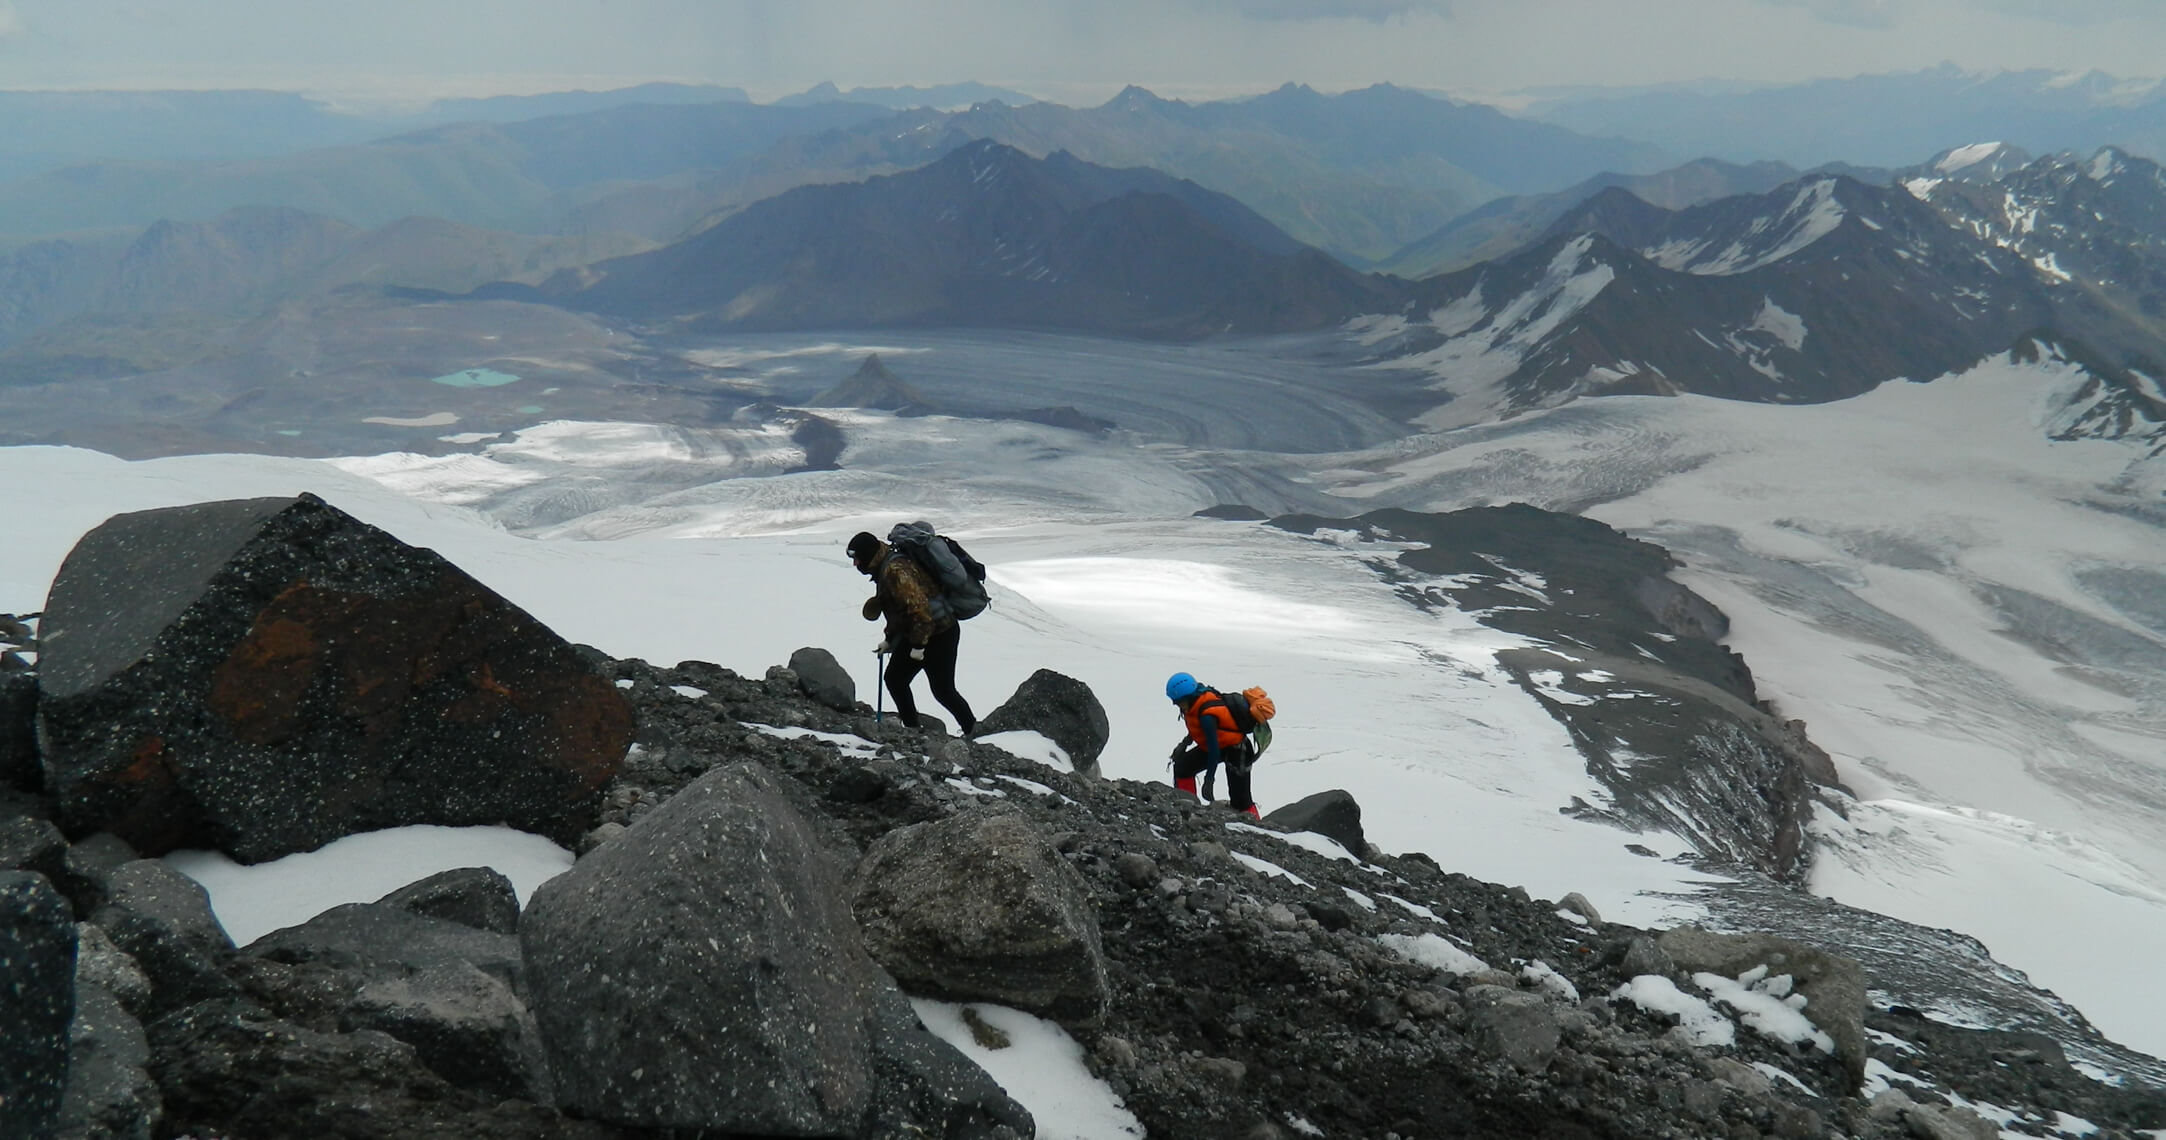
<point>1334,815</point>
<point>448,988</point>
<point>1709,761</point>
<point>980,907</point>
<point>163,920</point>
<point>701,971</point>
<point>824,679</point>
<point>263,676</point>
<point>37,1001</point>
<point>379,940</point>
<point>480,897</point>
<point>231,1068</point>
<point>1058,707</point>
<point>871,386</point>
<point>1833,985</point>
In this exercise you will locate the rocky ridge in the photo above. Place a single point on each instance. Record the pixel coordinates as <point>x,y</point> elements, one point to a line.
<point>774,867</point>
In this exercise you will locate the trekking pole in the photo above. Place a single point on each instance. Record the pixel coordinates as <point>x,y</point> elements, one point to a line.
<point>879,688</point>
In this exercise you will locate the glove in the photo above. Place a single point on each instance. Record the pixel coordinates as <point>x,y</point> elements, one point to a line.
<point>917,654</point>
<point>881,647</point>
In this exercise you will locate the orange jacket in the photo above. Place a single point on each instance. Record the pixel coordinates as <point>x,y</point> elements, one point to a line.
<point>1221,716</point>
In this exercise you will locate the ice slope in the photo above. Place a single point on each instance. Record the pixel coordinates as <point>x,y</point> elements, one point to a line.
<point>1970,617</point>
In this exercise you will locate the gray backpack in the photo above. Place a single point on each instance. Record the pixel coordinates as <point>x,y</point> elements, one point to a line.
<point>960,577</point>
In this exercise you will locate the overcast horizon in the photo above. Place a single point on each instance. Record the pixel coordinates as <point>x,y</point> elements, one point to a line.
<point>408,51</point>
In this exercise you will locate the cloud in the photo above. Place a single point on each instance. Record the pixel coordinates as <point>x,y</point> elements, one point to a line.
<point>2075,11</point>
<point>11,22</point>
<point>1373,10</point>
<point>1874,14</point>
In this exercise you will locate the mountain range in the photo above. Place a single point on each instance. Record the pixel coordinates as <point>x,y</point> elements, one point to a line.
<point>1817,290</point>
<point>120,303</point>
<point>522,176</point>
<point>1359,174</point>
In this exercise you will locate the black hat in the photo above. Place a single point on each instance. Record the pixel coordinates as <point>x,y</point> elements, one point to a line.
<point>863,546</point>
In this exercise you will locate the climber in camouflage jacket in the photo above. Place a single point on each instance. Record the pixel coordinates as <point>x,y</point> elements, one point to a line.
<point>920,632</point>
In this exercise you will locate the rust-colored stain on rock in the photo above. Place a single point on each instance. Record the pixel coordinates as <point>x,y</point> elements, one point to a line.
<point>469,657</point>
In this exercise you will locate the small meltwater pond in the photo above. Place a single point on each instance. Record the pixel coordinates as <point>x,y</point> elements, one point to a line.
<point>476,378</point>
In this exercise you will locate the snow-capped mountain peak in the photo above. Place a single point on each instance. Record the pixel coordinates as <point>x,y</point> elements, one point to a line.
<point>1812,212</point>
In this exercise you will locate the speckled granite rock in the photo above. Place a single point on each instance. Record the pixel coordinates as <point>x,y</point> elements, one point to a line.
<point>263,676</point>
<point>37,1001</point>
<point>702,972</point>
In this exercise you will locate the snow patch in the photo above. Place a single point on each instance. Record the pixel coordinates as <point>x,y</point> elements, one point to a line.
<point>1966,156</point>
<point>1040,1066</point>
<point>1433,951</point>
<point>1701,1023</point>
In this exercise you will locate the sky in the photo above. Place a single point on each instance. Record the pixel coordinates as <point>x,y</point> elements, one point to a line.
<point>1076,51</point>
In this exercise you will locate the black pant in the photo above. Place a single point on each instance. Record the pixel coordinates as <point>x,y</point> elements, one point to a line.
<point>1238,761</point>
<point>939,668</point>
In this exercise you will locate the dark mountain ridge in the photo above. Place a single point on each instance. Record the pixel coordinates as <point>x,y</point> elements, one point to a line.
<point>988,236</point>
<point>1817,290</point>
<point>1503,225</point>
<point>2096,222</point>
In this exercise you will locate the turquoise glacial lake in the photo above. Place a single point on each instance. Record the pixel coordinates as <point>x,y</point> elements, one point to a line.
<point>476,378</point>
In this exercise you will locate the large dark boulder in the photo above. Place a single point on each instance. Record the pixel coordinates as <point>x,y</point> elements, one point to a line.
<point>448,988</point>
<point>702,972</point>
<point>1334,815</point>
<point>480,897</point>
<point>263,676</point>
<point>37,1001</point>
<point>1058,707</point>
<point>981,907</point>
<point>824,679</point>
<point>382,940</point>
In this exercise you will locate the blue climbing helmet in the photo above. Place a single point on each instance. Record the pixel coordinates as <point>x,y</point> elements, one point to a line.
<point>1181,685</point>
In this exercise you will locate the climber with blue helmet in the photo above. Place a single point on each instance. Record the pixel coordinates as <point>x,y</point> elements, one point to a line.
<point>1212,740</point>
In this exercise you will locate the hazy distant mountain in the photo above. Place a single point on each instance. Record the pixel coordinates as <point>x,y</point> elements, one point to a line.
<point>522,176</point>
<point>42,131</point>
<point>249,259</point>
<point>517,108</point>
<point>988,237</point>
<point>1504,225</point>
<point>1359,174</point>
<point>943,96</point>
<point>1385,127</point>
<point>45,130</point>
<point>1884,120</point>
<point>1820,289</point>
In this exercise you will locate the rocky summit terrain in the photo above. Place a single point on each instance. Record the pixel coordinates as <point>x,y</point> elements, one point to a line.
<point>768,868</point>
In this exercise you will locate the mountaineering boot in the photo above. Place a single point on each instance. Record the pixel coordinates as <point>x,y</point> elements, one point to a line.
<point>1251,812</point>
<point>1185,783</point>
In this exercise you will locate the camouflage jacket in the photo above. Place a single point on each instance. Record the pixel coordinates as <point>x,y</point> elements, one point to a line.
<point>910,600</point>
